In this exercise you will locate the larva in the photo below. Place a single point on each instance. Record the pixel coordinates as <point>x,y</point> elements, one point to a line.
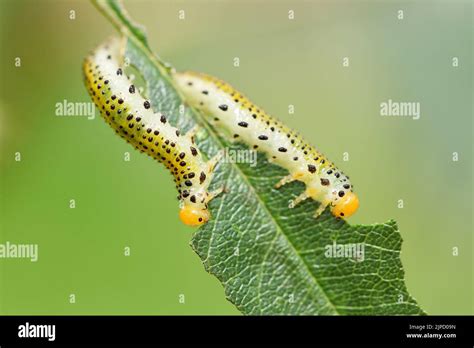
<point>230,110</point>
<point>132,117</point>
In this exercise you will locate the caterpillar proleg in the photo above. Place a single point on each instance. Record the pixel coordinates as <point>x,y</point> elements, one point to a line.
<point>243,120</point>
<point>133,118</point>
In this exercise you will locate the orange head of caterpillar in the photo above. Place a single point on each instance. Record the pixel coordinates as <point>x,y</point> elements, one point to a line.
<point>346,206</point>
<point>194,216</point>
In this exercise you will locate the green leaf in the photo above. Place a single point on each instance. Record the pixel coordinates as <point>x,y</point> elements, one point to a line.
<point>269,258</point>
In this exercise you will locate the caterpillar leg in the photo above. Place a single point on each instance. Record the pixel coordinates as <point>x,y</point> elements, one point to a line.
<point>216,192</point>
<point>303,196</point>
<point>320,210</point>
<point>285,180</point>
<point>211,164</point>
<point>289,178</point>
<point>193,131</point>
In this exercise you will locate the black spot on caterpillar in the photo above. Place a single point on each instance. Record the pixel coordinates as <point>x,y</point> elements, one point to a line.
<point>235,113</point>
<point>132,117</point>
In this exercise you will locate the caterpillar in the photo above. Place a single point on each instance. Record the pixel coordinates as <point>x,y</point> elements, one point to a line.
<point>230,110</point>
<point>132,117</point>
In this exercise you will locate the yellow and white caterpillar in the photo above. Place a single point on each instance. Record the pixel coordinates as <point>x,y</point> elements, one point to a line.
<point>229,109</point>
<point>133,118</point>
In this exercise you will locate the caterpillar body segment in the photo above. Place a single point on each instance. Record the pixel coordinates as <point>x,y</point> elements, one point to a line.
<point>133,118</point>
<point>228,109</point>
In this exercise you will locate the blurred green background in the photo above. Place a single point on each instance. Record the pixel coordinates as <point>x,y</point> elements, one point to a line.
<point>282,62</point>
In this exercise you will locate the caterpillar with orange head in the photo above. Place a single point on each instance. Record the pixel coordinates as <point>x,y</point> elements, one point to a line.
<point>133,118</point>
<point>228,109</point>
